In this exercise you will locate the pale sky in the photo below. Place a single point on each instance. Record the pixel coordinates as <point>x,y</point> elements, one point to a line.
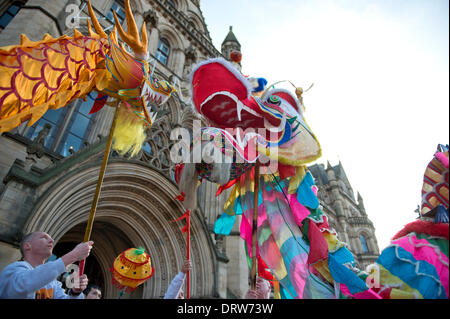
<point>380,100</point>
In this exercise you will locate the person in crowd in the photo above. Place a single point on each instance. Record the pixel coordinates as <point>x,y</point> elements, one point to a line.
<point>93,292</point>
<point>262,290</point>
<point>175,290</point>
<point>34,278</point>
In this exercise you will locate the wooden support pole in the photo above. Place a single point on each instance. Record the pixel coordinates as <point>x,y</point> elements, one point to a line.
<point>88,231</point>
<point>255,227</point>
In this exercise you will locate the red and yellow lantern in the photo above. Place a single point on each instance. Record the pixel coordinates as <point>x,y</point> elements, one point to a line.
<point>131,268</point>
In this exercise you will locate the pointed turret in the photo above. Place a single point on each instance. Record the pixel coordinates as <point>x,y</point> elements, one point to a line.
<point>330,172</point>
<point>231,38</point>
<point>361,203</point>
<point>230,44</point>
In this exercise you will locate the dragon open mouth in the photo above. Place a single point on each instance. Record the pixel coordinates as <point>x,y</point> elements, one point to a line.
<point>224,96</point>
<point>155,92</point>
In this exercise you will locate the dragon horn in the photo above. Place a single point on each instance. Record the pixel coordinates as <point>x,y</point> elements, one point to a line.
<point>98,28</point>
<point>131,23</point>
<point>132,37</point>
<point>112,35</point>
<point>89,28</point>
<point>144,36</point>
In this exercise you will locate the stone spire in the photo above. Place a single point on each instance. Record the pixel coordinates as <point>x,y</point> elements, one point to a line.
<point>361,203</point>
<point>230,44</point>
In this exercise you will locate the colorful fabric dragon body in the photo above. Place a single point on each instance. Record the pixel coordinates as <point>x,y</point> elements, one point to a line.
<point>296,249</point>
<point>415,264</point>
<point>51,73</point>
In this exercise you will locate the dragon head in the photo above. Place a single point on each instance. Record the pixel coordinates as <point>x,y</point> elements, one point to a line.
<point>127,78</point>
<point>226,98</point>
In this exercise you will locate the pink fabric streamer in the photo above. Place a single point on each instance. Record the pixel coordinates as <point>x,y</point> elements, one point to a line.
<point>299,211</point>
<point>367,294</point>
<point>442,158</point>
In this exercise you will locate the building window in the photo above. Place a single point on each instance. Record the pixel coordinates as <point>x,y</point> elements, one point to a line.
<point>147,148</point>
<point>53,117</point>
<point>172,3</point>
<point>9,14</point>
<point>78,127</point>
<point>163,51</point>
<point>363,243</point>
<point>120,12</point>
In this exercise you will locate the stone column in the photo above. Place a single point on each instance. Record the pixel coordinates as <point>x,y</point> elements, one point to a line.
<point>153,41</point>
<point>178,62</point>
<point>103,121</point>
<point>8,254</point>
<point>16,202</point>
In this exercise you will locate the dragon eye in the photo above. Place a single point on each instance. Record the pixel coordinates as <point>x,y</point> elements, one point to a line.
<point>273,99</point>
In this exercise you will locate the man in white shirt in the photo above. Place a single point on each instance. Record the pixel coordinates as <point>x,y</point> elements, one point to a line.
<point>175,290</point>
<point>33,278</point>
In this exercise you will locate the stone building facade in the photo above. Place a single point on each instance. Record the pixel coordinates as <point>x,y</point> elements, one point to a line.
<point>346,215</point>
<point>50,170</point>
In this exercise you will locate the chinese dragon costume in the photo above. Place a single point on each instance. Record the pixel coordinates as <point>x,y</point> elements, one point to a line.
<point>36,76</point>
<point>415,264</point>
<point>296,249</point>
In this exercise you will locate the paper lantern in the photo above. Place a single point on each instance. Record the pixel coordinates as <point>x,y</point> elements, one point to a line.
<point>131,268</point>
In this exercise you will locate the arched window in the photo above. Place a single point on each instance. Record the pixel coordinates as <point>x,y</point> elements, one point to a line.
<point>147,148</point>
<point>117,7</point>
<point>70,126</point>
<point>362,238</point>
<point>172,3</point>
<point>78,127</point>
<point>163,51</point>
<point>53,117</point>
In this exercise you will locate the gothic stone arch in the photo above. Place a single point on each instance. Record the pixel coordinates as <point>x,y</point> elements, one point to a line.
<point>136,204</point>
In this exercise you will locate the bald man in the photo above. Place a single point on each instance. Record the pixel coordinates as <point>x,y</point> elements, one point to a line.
<point>32,278</point>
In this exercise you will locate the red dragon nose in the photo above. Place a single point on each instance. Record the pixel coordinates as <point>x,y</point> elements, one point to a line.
<point>223,96</point>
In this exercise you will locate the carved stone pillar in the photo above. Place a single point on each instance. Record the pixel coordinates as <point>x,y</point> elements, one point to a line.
<point>35,149</point>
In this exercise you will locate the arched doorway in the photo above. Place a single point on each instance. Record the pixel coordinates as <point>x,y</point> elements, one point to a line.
<point>108,241</point>
<point>136,207</point>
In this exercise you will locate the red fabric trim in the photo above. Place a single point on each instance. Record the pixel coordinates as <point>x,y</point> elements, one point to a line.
<point>178,171</point>
<point>226,186</point>
<point>285,170</point>
<point>263,270</point>
<point>99,103</point>
<point>319,246</point>
<point>420,226</point>
<point>181,197</point>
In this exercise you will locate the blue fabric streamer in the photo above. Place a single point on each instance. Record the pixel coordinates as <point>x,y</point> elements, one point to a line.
<point>224,224</point>
<point>441,215</point>
<point>305,194</point>
<point>344,256</point>
<point>418,274</point>
<point>345,276</point>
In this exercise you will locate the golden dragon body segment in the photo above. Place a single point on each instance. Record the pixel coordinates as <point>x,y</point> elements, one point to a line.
<point>51,73</point>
